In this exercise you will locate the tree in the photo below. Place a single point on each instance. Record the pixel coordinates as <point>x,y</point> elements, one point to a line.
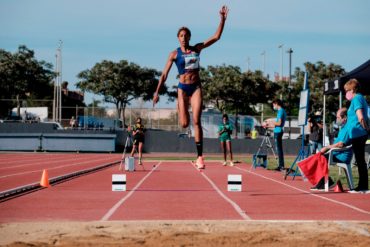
<point>120,83</point>
<point>22,77</point>
<point>318,74</point>
<point>230,90</point>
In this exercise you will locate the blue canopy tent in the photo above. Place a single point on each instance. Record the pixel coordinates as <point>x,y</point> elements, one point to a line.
<point>361,73</point>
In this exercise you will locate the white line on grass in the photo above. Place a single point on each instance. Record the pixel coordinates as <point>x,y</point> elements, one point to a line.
<point>120,202</point>
<point>235,206</point>
<point>321,197</point>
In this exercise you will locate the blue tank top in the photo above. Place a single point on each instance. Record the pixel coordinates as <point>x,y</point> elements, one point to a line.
<point>186,62</point>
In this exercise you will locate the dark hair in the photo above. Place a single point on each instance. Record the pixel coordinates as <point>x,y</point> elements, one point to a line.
<point>343,112</point>
<point>187,30</point>
<point>139,118</point>
<point>278,102</point>
<point>225,116</point>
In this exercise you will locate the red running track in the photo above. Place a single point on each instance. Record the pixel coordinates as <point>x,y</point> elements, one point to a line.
<point>23,169</point>
<point>177,191</point>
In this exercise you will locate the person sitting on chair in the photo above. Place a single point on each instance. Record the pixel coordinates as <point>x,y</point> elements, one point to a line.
<point>341,141</point>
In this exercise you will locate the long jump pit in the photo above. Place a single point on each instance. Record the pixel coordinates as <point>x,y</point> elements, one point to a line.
<point>186,233</point>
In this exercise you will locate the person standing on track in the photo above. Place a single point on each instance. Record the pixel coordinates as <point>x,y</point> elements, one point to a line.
<point>189,89</point>
<point>138,134</point>
<point>224,131</point>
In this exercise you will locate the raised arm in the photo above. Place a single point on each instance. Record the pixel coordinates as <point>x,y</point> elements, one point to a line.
<point>164,76</point>
<point>223,15</point>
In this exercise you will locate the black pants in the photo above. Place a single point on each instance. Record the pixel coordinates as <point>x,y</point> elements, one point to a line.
<point>358,147</point>
<point>279,148</point>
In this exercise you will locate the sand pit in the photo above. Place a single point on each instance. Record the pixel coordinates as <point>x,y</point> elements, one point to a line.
<point>186,233</point>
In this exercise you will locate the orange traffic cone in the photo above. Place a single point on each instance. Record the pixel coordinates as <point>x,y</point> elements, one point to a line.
<point>45,179</point>
<point>338,187</point>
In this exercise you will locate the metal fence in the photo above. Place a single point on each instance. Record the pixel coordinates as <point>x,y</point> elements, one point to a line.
<point>104,118</point>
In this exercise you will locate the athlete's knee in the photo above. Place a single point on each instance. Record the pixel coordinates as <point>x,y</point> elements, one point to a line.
<point>184,123</point>
<point>197,123</point>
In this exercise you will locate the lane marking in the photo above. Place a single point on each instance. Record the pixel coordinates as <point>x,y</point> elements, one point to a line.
<point>35,162</point>
<point>57,167</point>
<point>233,204</point>
<point>120,202</point>
<point>300,190</point>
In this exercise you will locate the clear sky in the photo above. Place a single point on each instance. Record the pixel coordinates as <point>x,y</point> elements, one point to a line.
<point>144,32</point>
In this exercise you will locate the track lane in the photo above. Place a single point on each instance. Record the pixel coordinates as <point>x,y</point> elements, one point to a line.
<point>268,196</point>
<point>176,191</point>
<point>86,198</point>
<point>57,166</point>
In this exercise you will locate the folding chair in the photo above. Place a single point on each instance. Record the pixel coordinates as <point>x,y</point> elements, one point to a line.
<point>346,167</point>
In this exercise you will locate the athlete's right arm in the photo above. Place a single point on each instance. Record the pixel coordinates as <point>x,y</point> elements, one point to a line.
<point>164,75</point>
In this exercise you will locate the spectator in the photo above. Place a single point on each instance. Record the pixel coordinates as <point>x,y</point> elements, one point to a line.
<point>278,126</point>
<point>341,141</point>
<point>358,129</point>
<point>315,128</point>
<point>224,131</point>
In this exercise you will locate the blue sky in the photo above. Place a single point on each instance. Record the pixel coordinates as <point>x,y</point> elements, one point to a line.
<point>144,32</point>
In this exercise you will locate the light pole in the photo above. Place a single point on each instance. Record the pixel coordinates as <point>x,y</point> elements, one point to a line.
<point>248,64</point>
<point>290,51</point>
<point>281,61</point>
<point>59,83</point>
<point>263,54</point>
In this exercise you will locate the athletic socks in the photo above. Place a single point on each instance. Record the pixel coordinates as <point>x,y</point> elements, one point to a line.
<point>199,148</point>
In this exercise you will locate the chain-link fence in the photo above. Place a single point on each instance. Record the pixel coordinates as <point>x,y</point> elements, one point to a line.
<point>107,118</point>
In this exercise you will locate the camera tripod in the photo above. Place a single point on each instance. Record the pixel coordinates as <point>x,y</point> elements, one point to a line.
<point>260,158</point>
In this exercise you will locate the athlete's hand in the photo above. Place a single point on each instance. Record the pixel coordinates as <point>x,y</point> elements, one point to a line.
<point>155,99</point>
<point>223,12</point>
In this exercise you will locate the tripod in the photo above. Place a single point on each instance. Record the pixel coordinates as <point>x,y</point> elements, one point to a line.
<point>263,156</point>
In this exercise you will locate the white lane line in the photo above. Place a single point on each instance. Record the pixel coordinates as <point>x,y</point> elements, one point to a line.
<point>234,204</point>
<point>120,202</point>
<point>34,163</point>
<point>57,167</point>
<point>321,197</point>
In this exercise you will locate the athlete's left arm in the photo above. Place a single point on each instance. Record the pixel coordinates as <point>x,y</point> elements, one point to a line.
<point>361,119</point>
<point>223,15</point>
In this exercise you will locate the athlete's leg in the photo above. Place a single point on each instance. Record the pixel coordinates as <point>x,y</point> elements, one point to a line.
<point>183,108</point>
<point>140,152</point>
<point>133,149</point>
<point>196,105</point>
<point>223,148</point>
<point>228,145</point>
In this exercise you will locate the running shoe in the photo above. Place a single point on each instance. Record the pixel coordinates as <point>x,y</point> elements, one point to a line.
<point>231,163</point>
<point>225,163</point>
<point>200,163</point>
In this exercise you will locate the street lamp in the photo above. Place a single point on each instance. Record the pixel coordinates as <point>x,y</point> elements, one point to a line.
<point>263,54</point>
<point>281,61</point>
<point>290,51</point>
<point>248,64</point>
